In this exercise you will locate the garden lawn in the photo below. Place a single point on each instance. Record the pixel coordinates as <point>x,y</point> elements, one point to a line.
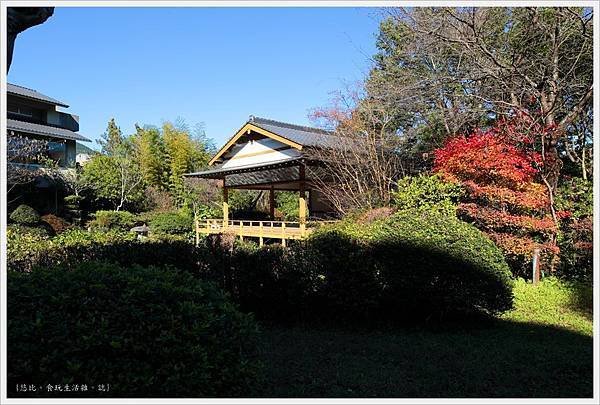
<point>543,348</point>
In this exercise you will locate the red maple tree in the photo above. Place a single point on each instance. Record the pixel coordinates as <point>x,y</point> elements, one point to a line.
<point>500,171</point>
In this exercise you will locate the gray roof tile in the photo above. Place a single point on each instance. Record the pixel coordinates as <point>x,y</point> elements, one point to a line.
<point>305,136</point>
<point>32,94</point>
<point>43,130</point>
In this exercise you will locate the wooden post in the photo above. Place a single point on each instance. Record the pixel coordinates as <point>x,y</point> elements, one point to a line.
<point>283,234</point>
<point>302,210</point>
<point>272,202</point>
<point>197,230</point>
<point>536,266</point>
<point>302,202</point>
<point>260,237</point>
<point>225,206</point>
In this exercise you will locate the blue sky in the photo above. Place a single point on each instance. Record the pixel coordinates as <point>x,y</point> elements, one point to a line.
<point>206,65</point>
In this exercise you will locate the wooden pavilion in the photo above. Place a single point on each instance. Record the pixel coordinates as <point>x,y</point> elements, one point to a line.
<point>270,156</point>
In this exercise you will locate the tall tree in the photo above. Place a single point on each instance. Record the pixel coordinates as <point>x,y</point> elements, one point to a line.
<point>116,178</point>
<point>183,154</point>
<point>445,70</point>
<point>111,140</point>
<point>150,153</point>
<point>499,170</point>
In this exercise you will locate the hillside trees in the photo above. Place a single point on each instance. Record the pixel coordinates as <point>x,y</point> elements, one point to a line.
<point>444,71</point>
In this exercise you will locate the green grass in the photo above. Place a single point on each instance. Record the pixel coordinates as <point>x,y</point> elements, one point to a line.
<point>556,303</point>
<point>543,348</point>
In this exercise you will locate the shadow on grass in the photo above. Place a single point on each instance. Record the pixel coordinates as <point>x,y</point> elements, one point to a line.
<point>498,359</point>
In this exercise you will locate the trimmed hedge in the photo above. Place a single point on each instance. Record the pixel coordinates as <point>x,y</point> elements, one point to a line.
<point>104,220</point>
<point>173,223</point>
<point>25,215</point>
<point>150,331</point>
<point>412,265</point>
<point>74,246</point>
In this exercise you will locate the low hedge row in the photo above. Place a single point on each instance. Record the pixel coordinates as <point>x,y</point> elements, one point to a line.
<point>72,247</point>
<point>413,265</point>
<point>146,331</point>
<point>410,265</point>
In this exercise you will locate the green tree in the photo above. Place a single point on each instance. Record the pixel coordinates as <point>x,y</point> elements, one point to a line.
<point>112,139</point>
<point>183,154</point>
<point>440,72</point>
<point>116,179</point>
<point>150,153</point>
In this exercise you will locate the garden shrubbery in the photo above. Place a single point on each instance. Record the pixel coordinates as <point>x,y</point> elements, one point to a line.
<point>25,215</point>
<point>152,331</point>
<point>413,264</point>
<point>104,220</point>
<point>57,224</point>
<point>174,223</point>
<point>74,246</point>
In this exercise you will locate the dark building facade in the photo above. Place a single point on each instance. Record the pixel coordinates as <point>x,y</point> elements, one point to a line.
<point>34,115</point>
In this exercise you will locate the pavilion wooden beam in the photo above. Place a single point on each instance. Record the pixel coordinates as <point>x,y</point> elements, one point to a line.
<point>302,200</point>
<point>225,205</point>
<point>272,202</point>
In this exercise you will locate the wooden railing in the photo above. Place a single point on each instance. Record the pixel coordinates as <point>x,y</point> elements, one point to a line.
<point>259,229</point>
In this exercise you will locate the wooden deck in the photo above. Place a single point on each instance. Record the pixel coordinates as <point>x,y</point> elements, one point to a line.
<point>283,230</point>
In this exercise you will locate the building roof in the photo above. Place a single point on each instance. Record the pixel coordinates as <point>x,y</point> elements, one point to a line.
<point>296,136</point>
<point>305,136</point>
<point>43,130</point>
<point>32,94</point>
<point>221,172</point>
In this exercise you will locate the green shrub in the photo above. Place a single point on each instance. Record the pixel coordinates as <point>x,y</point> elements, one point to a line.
<point>426,192</point>
<point>414,264</point>
<point>25,215</point>
<point>145,331</point>
<point>73,200</point>
<point>36,231</point>
<point>75,246</point>
<point>575,202</point>
<point>174,223</point>
<point>122,220</point>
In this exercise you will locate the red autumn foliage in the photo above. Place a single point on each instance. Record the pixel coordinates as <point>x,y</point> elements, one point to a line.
<point>485,158</point>
<point>493,219</point>
<point>499,168</point>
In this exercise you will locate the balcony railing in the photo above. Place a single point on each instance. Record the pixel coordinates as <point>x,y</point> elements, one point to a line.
<point>282,230</point>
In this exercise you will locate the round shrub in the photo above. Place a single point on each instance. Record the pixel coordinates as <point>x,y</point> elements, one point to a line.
<point>413,264</point>
<point>122,220</point>
<point>57,224</point>
<point>25,215</point>
<point>152,331</point>
<point>173,223</point>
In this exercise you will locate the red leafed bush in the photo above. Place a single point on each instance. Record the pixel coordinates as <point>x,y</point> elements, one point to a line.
<point>499,168</point>
<point>58,224</point>
<point>485,158</point>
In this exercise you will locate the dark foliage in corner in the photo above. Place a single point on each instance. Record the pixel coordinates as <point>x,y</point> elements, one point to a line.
<point>152,331</point>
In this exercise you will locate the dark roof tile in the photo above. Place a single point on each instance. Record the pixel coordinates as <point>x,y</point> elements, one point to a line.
<point>32,94</point>
<point>305,136</point>
<point>43,130</point>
